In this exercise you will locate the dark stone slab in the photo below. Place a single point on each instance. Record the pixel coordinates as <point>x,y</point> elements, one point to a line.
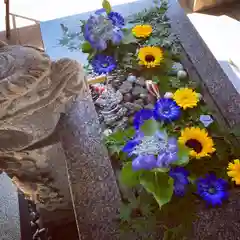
<point>93,185</point>
<point>221,223</point>
<point>223,93</point>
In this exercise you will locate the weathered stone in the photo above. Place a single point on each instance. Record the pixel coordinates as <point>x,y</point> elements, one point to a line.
<point>33,93</point>
<point>126,87</point>
<point>139,102</point>
<point>181,74</point>
<point>131,78</point>
<point>109,99</point>
<point>116,83</point>
<point>127,97</point>
<point>177,66</point>
<point>109,119</point>
<point>149,106</point>
<point>121,125</point>
<point>143,95</point>
<point>94,190</point>
<point>137,90</point>
<point>151,99</point>
<point>132,107</point>
<point>141,81</point>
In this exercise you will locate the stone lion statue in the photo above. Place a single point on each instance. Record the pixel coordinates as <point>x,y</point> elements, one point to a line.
<point>33,93</point>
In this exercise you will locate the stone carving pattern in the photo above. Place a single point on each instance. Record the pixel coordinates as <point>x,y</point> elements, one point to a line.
<point>33,93</point>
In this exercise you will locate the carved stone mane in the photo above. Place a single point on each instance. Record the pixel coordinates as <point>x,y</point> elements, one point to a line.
<point>33,93</point>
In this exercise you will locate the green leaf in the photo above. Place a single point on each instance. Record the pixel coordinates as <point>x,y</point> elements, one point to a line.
<point>86,47</point>
<point>183,155</point>
<point>164,85</point>
<point>107,6</point>
<point>150,127</point>
<point>236,130</point>
<point>158,184</point>
<point>125,212</point>
<point>129,177</point>
<point>154,41</point>
<point>155,79</point>
<point>128,37</point>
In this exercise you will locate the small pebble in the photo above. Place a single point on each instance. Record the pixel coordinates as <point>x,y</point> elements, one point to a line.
<point>116,83</point>
<point>126,87</point>
<point>181,74</point>
<point>127,97</point>
<point>149,106</point>
<point>131,78</point>
<point>107,132</point>
<point>177,66</point>
<point>199,96</point>
<point>139,102</point>
<point>138,90</point>
<point>132,107</point>
<point>141,81</point>
<point>168,95</point>
<point>151,99</point>
<point>143,95</point>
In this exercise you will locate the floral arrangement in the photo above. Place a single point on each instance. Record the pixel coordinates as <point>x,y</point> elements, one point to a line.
<point>175,150</point>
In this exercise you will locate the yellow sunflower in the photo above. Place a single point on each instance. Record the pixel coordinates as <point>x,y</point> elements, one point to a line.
<point>198,141</point>
<point>150,56</point>
<point>186,98</point>
<point>234,171</point>
<point>142,31</point>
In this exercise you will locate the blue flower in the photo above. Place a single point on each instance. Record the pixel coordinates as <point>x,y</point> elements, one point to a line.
<point>117,19</point>
<point>131,144</point>
<point>141,116</point>
<point>206,120</point>
<point>148,152</point>
<point>180,177</point>
<point>103,64</point>
<point>166,110</point>
<point>212,189</point>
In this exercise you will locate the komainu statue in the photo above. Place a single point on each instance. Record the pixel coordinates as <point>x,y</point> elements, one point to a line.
<point>33,93</point>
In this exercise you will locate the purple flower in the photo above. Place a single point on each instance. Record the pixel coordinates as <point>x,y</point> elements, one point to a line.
<point>117,36</point>
<point>99,30</point>
<point>212,189</point>
<point>141,116</point>
<point>180,177</point>
<point>166,110</point>
<point>148,152</point>
<point>100,11</point>
<point>169,154</point>
<point>103,64</point>
<point>117,19</point>
<point>206,120</point>
<point>147,162</point>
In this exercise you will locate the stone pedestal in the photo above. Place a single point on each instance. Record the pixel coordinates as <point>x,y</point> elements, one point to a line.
<point>94,191</point>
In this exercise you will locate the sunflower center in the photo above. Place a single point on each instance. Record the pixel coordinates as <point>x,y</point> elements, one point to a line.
<point>149,58</point>
<point>194,144</point>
